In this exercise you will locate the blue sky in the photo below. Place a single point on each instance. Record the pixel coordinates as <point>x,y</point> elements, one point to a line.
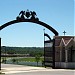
<point>57,13</point>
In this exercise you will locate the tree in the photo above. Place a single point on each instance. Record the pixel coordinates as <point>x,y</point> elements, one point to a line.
<point>13,60</point>
<point>37,58</point>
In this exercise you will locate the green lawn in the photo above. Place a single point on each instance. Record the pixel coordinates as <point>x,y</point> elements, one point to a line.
<point>27,59</point>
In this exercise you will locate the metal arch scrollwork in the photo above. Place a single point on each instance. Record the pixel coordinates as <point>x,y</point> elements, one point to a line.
<point>27,15</point>
<point>45,34</point>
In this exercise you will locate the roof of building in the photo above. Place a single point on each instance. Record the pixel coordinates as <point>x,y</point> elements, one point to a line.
<point>63,40</point>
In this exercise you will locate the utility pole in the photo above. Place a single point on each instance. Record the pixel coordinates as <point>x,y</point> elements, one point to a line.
<point>0,54</point>
<point>44,46</point>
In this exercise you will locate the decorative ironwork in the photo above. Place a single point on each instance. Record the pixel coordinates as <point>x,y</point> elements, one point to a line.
<point>49,51</point>
<point>27,15</point>
<point>30,16</point>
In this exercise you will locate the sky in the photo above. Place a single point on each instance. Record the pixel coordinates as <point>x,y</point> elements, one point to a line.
<point>59,14</point>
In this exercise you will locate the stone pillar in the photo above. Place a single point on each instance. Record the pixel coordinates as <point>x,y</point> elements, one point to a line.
<point>66,55</point>
<point>60,54</point>
<point>66,58</point>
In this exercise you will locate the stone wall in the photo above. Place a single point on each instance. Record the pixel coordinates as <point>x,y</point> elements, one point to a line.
<point>69,65</point>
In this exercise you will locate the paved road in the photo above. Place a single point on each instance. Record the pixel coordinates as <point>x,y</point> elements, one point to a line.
<point>10,69</point>
<point>46,73</point>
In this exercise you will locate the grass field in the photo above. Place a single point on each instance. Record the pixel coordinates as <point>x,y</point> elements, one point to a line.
<point>27,59</point>
<point>30,59</point>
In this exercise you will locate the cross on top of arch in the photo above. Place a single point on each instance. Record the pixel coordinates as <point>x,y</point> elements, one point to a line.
<point>27,15</point>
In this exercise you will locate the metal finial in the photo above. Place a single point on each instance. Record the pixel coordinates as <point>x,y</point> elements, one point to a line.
<point>64,33</point>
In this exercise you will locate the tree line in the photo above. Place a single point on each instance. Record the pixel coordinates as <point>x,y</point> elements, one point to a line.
<point>32,51</point>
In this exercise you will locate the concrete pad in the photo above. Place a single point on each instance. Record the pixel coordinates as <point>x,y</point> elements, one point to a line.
<point>10,68</point>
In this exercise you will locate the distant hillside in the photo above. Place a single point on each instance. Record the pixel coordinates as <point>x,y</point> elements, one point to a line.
<point>32,51</point>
